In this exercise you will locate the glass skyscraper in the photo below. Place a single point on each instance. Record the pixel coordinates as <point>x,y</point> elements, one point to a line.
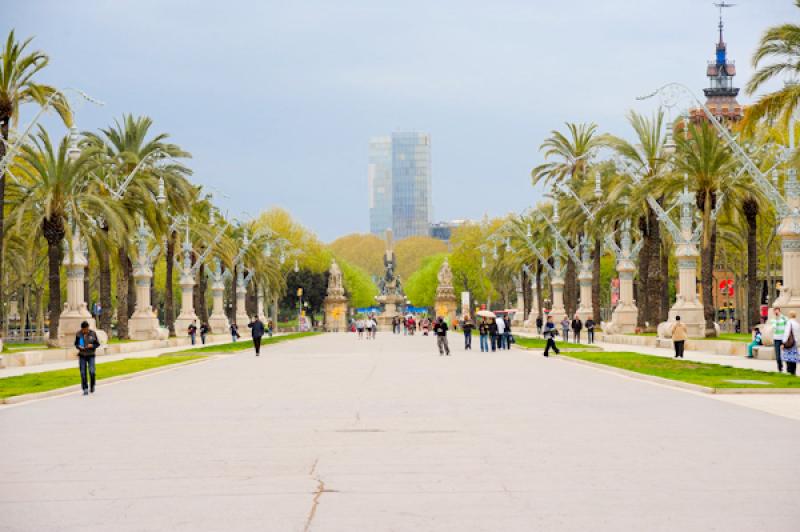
<point>400,184</point>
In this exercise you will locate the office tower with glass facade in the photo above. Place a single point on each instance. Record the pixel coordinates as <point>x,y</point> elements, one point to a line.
<point>400,184</point>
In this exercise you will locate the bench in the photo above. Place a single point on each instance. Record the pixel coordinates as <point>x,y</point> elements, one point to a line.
<point>764,352</point>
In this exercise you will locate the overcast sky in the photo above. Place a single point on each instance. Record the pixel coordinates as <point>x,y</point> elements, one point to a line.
<point>276,100</point>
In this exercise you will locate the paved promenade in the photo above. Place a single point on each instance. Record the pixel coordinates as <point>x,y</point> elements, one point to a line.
<point>331,433</point>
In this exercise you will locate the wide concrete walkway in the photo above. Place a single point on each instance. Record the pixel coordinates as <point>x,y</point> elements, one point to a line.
<point>331,433</point>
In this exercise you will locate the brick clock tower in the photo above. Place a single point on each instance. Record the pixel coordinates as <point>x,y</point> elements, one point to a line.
<point>720,94</point>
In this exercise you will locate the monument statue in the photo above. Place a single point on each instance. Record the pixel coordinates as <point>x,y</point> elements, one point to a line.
<point>390,283</point>
<point>445,294</point>
<point>335,301</point>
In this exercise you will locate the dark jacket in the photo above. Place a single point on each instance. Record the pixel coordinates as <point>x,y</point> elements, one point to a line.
<point>508,325</point>
<point>483,329</point>
<point>550,330</point>
<point>577,325</point>
<point>257,328</point>
<point>590,324</point>
<point>493,329</point>
<point>440,328</point>
<point>467,327</point>
<point>204,329</point>
<point>82,340</point>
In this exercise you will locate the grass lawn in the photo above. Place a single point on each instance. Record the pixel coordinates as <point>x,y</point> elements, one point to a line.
<point>244,343</point>
<point>710,375</point>
<point>121,341</point>
<point>734,337</point>
<point>643,334</point>
<point>17,347</point>
<point>538,343</point>
<point>51,380</point>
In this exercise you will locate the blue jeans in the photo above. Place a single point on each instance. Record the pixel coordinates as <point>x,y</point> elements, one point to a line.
<point>501,341</point>
<point>778,344</point>
<point>493,337</point>
<point>467,340</point>
<point>507,339</point>
<point>484,343</point>
<point>86,363</point>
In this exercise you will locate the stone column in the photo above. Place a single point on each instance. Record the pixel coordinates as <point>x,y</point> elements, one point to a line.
<point>218,321</point>
<point>187,315</point>
<point>625,313</point>
<point>241,318</point>
<point>143,325</point>
<point>558,312</point>
<point>531,321</point>
<point>789,231</point>
<point>75,309</point>
<point>585,308</point>
<point>519,316</point>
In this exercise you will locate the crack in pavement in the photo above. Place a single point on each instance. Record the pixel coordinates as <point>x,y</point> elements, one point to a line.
<point>314,504</point>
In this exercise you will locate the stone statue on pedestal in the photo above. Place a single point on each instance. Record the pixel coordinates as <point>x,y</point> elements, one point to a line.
<point>445,294</point>
<point>391,288</point>
<point>335,301</point>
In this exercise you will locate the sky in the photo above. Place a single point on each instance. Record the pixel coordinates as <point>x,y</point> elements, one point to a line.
<point>277,100</point>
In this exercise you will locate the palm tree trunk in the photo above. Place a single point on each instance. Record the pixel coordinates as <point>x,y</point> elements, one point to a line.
<point>707,267</point>
<point>54,232</point>
<point>539,288</point>
<point>122,294</point>
<point>5,119</point>
<point>644,268</point>
<point>169,295</point>
<point>653,282</point>
<point>202,285</point>
<point>105,292</point>
<point>598,251</point>
<point>131,288</point>
<point>570,288</point>
<point>665,301</point>
<point>753,316</point>
<point>233,294</point>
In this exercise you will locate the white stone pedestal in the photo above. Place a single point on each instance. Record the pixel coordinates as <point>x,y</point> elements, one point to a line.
<point>585,309</point>
<point>626,314</point>
<point>688,305</point>
<point>558,312</point>
<point>218,321</point>
<point>789,298</point>
<point>336,314</point>
<point>75,311</point>
<point>242,319</point>
<point>187,315</point>
<point>143,325</point>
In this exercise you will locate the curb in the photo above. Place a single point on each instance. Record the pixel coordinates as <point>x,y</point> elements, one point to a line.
<point>680,384</point>
<point>16,399</point>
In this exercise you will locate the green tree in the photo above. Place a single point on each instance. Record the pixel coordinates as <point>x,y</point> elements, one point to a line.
<point>358,284</point>
<point>781,44</point>
<point>19,69</point>
<point>364,251</point>
<point>412,251</point>
<point>53,189</point>
<point>421,286</point>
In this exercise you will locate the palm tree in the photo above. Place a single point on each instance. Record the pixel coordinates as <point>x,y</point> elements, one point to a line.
<point>571,158</point>
<point>18,70</point>
<point>781,44</point>
<point>123,146</point>
<point>52,189</point>
<point>648,157</point>
<point>705,159</point>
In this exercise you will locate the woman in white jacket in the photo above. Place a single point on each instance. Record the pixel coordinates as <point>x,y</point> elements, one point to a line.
<point>790,354</point>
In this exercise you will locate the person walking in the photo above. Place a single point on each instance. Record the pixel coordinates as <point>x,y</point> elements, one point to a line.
<point>360,328</point>
<point>193,332</point>
<point>565,329</point>
<point>374,326</point>
<point>679,336</point>
<point>270,327</point>
<point>577,325</point>
<point>778,323</point>
<point>440,331</point>
<point>539,325</point>
<point>507,336</point>
<point>204,330</point>
<point>493,333</point>
<point>550,332</point>
<point>257,332</point>
<point>87,343</point>
<point>790,336</point>
<point>467,326</point>
<point>756,340</point>
<point>589,330</point>
<point>483,332</point>
<point>501,332</point>
<point>235,332</point>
